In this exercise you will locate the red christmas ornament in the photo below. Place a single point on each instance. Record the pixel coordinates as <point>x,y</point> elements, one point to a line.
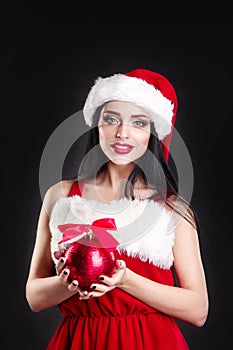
<point>90,251</point>
<point>87,262</point>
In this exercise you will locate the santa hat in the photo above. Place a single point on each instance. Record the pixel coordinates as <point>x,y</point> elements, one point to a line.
<point>146,89</point>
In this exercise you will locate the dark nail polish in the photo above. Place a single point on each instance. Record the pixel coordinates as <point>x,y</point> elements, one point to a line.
<point>65,272</point>
<point>93,287</point>
<point>90,296</point>
<point>101,278</point>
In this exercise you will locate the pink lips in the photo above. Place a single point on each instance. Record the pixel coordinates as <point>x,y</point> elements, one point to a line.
<point>122,148</point>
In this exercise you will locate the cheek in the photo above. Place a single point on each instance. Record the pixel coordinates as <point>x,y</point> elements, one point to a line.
<point>105,133</point>
<point>142,138</point>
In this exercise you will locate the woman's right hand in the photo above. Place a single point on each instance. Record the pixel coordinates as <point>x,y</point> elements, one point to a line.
<point>63,274</point>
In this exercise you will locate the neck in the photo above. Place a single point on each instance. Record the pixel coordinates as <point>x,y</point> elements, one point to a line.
<point>116,176</point>
<point>110,185</point>
<point>118,173</point>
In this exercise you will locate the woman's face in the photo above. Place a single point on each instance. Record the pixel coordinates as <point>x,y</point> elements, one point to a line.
<point>124,131</point>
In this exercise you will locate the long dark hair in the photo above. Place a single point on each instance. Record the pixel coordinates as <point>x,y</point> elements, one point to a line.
<point>152,169</point>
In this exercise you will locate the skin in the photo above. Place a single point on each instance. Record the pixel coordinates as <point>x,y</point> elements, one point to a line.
<point>130,120</point>
<point>44,289</point>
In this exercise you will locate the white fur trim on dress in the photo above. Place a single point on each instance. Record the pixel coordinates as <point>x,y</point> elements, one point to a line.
<point>144,228</point>
<point>131,89</point>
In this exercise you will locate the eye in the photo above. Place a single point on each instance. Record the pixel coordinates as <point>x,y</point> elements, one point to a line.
<point>139,123</point>
<point>109,120</point>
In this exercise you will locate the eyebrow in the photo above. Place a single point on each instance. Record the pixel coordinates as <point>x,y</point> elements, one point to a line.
<point>132,116</point>
<point>113,112</point>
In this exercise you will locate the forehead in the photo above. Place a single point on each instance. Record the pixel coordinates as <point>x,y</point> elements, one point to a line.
<point>123,107</point>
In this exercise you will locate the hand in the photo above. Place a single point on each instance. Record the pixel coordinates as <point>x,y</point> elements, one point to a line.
<point>63,274</point>
<point>108,283</point>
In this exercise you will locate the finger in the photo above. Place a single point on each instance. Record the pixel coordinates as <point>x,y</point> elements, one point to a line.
<point>57,255</point>
<point>73,286</point>
<point>91,295</point>
<point>121,264</point>
<point>96,288</point>
<point>107,280</point>
<point>64,276</point>
<point>60,265</point>
<point>115,279</point>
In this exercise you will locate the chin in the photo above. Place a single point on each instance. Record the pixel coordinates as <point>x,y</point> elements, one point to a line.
<point>120,161</point>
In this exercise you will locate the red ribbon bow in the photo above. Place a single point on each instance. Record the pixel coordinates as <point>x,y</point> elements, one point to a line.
<point>98,227</point>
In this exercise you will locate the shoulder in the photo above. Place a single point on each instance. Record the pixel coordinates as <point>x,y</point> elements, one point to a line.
<point>61,188</point>
<point>181,210</point>
<point>55,192</point>
<point>186,232</point>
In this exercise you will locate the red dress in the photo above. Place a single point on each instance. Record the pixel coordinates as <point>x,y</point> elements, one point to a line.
<point>117,320</point>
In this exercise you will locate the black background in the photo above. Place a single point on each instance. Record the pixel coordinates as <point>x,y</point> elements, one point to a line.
<point>52,53</point>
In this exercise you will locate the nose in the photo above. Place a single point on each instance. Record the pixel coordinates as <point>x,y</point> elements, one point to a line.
<point>123,131</point>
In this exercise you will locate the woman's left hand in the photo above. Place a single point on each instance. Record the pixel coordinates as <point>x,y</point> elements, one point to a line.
<point>108,283</point>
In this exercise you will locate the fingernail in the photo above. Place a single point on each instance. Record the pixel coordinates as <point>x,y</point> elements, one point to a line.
<point>93,287</point>
<point>101,278</point>
<point>62,260</point>
<point>75,283</point>
<point>91,295</point>
<point>65,272</point>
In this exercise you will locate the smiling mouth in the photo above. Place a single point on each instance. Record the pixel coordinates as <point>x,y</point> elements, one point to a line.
<point>122,148</point>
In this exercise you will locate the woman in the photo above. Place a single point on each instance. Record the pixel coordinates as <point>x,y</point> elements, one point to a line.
<point>125,176</point>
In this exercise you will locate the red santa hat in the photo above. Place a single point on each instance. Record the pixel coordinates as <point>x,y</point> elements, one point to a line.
<point>146,89</point>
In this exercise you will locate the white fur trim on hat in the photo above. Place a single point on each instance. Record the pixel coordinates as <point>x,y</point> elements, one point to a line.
<point>131,89</point>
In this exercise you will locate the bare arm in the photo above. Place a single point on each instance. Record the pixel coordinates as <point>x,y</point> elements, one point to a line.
<point>189,301</point>
<point>44,288</point>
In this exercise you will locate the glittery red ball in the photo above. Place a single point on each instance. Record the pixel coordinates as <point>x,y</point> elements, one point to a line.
<point>86,261</point>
